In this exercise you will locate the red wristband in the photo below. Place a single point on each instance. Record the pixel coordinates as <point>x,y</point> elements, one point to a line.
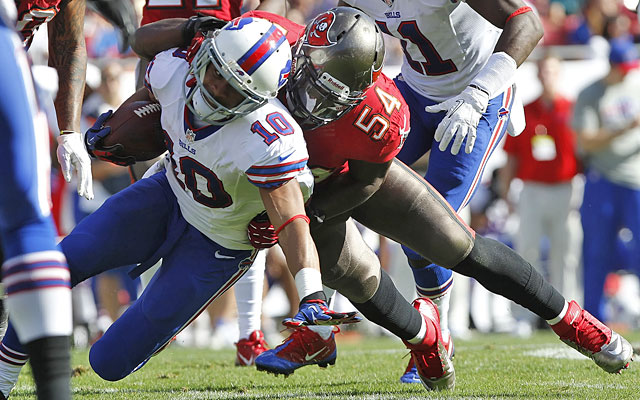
<point>519,11</point>
<point>290,221</point>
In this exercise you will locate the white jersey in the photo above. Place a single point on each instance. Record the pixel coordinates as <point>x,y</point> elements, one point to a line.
<point>215,171</point>
<point>445,42</point>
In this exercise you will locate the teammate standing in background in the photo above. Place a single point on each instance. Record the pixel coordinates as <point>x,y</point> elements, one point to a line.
<point>460,60</point>
<point>34,271</point>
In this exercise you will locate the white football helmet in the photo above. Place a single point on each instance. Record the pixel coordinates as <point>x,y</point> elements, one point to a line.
<point>252,54</point>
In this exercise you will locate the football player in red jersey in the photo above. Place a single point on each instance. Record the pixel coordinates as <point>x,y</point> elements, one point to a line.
<point>389,198</point>
<point>407,209</point>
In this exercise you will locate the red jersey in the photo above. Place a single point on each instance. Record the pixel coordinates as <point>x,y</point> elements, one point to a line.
<point>374,131</point>
<point>32,14</point>
<point>155,10</point>
<point>546,148</point>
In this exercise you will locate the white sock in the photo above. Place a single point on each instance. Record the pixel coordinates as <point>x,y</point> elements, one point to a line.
<point>323,330</point>
<point>248,293</point>
<point>421,334</point>
<point>442,302</point>
<point>560,316</point>
<point>9,373</point>
<point>43,311</point>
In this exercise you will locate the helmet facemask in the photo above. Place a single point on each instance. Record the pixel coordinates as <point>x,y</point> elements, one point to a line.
<point>317,99</point>
<point>201,102</point>
<point>335,61</point>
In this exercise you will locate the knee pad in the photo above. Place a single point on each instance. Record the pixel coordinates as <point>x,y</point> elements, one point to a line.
<point>108,359</point>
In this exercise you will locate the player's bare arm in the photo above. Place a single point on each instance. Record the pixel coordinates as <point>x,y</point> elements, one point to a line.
<point>521,30</point>
<point>158,36</point>
<point>282,204</point>
<point>343,193</point>
<point>68,55</point>
<point>152,38</point>
<point>273,6</point>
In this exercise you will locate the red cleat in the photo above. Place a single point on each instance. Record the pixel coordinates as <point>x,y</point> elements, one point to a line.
<point>432,363</point>
<point>589,336</point>
<point>249,349</point>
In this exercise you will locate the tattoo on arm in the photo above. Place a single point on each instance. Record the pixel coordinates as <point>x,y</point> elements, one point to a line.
<point>68,55</point>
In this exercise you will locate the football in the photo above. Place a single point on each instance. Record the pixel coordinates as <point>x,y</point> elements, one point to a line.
<point>136,126</point>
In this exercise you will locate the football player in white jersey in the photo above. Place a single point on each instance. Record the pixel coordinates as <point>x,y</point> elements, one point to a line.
<point>460,59</point>
<point>234,152</point>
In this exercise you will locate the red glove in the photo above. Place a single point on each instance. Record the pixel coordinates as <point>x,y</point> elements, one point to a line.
<point>262,234</point>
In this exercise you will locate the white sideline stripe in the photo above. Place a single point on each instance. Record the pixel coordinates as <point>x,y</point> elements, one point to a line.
<point>224,394</point>
<point>373,351</point>
<point>557,352</point>
<point>580,384</point>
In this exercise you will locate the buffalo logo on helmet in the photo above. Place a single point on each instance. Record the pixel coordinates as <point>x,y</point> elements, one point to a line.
<point>284,74</point>
<point>238,23</point>
<point>319,32</point>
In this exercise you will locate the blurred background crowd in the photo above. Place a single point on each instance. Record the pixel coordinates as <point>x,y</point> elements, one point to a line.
<point>535,195</point>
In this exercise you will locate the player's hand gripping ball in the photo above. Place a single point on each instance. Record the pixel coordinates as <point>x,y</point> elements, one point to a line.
<point>133,133</point>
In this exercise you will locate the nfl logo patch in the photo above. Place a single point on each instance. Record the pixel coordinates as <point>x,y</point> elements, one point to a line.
<point>190,135</point>
<point>389,3</point>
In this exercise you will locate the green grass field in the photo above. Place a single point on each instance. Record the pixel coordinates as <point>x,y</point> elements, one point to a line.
<point>487,367</point>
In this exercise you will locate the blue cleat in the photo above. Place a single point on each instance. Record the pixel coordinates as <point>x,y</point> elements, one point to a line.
<point>302,347</point>
<point>410,374</point>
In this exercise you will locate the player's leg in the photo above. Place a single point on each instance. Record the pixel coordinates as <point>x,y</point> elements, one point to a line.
<point>456,178</point>
<point>433,229</point>
<point>563,259</point>
<point>34,272</point>
<point>189,279</point>
<point>630,210</point>
<point>352,268</point>
<point>528,238</point>
<point>248,293</point>
<point>131,227</point>
<point>600,230</point>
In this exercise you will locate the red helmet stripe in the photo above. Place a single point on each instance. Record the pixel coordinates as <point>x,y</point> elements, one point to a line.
<point>257,55</point>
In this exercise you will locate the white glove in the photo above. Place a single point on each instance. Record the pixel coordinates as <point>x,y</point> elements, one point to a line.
<point>463,114</point>
<point>72,153</point>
